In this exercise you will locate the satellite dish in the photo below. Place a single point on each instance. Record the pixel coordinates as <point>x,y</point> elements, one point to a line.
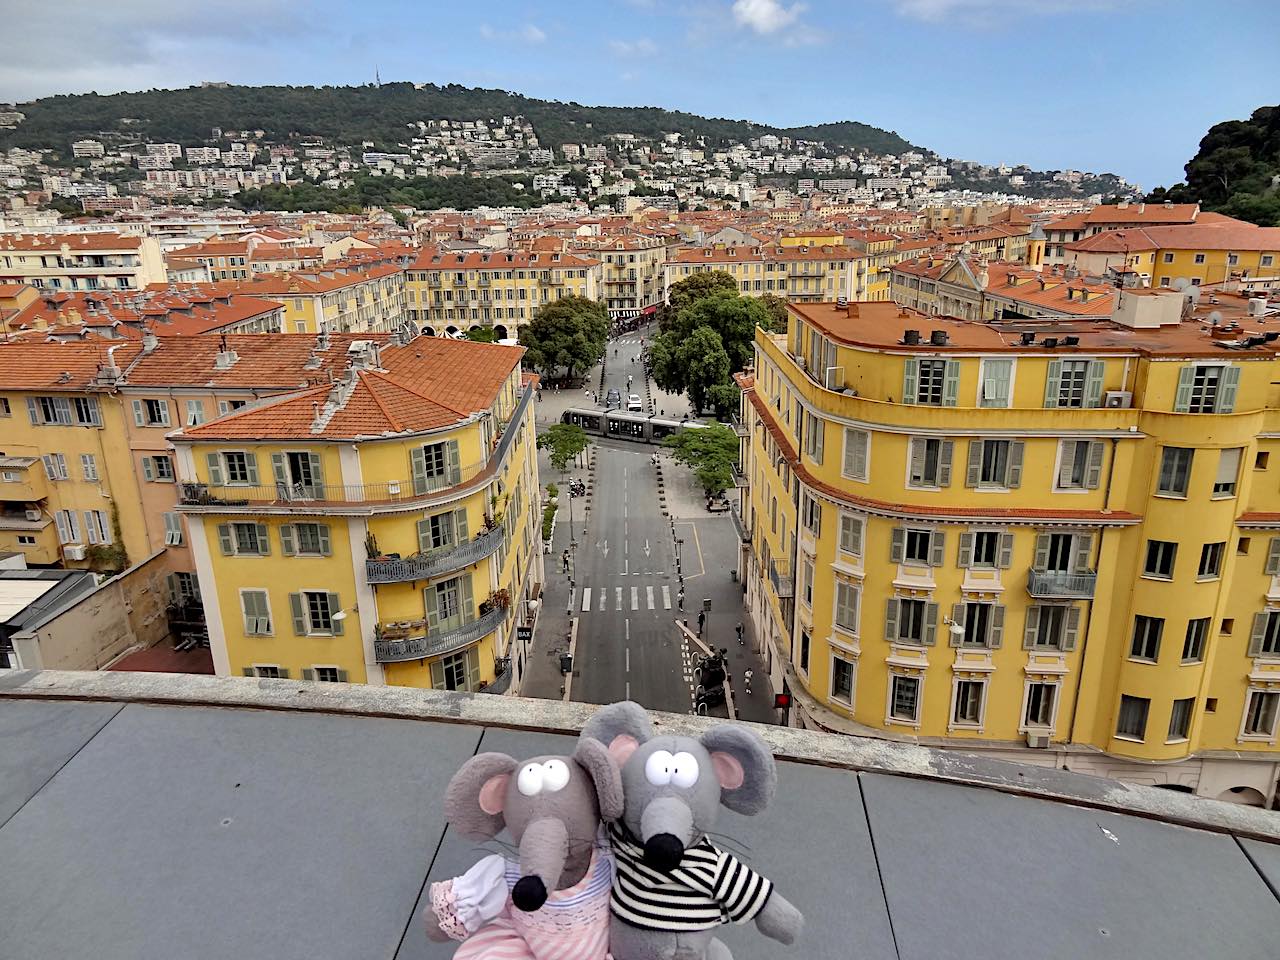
<point>1192,294</point>
<point>340,615</point>
<point>1181,283</point>
<point>1215,318</point>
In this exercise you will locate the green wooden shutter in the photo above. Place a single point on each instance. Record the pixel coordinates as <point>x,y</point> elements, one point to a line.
<point>335,604</point>
<point>1226,402</point>
<point>424,535</point>
<point>891,619</point>
<point>1014,479</point>
<point>148,469</point>
<point>418,468</point>
<point>1182,399</point>
<point>466,600</point>
<point>1066,464</point>
<point>299,615</point>
<point>251,467</point>
<point>1053,383</point>
<point>860,440</point>
<point>916,456</point>
<point>472,662</point>
<point>33,411</point>
<point>1083,552</point>
<point>1273,557</point>
<point>453,468</point>
<point>433,614</point>
<point>1093,473</point>
<point>1071,629</point>
<point>897,545</point>
<point>1093,383</point>
<point>930,623</point>
<point>995,636</point>
<point>951,383</point>
<point>249,671</point>
<point>946,450</point>
<point>308,673</point>
<point>264,540</point>
<point>342,676</point>
<point>278,470</point>
<point>317,476</point>
<point>1029,628</point>
<point>964,559</point>
<point>1005,559</point>
<point>1041,560</point>
<point>460,525</point>
<point>910,376</point>
<point>288,542</point>
<point>164,413</point>
<point>214,460</point>
<point>322,537</point>
<point>937,544</point>
<point>1258,633</point>
<point>437,675</point>
<point>974,472</point>
<point>227,544</point>
<point>283,672</point>
<point>957,617</point>
<point>139,417</point>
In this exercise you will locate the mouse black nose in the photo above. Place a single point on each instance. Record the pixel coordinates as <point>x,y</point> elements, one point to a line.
<point>663,851</point>
<point>529,894</point>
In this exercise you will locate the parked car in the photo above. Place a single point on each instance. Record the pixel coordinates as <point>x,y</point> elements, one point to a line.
<point>613,399</point>
<point>634,402</point>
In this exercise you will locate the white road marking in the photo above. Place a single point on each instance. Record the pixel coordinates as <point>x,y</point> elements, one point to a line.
<point>617,598</point>
<point>649,595</point>
<point>666,597</point>
<point>635,598</point>
<point>586,599</point>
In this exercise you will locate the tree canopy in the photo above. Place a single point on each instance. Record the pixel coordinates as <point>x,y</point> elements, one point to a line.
<point>563,442</point>
<point>569,333</point>
<point>421,193</point>
<point>695,287</point>
<point>712,452</point>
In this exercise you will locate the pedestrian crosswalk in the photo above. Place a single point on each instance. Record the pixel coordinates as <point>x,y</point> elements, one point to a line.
<point>629,598</point>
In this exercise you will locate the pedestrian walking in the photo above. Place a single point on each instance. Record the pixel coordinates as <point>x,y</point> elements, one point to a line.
<point>680,599</point>
<point>740,640</point>
<point>746,680</point>
<point>702,620</point>
<point>564,560</point>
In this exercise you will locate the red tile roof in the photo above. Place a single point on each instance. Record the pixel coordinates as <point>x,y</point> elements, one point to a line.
<point>54,242</point>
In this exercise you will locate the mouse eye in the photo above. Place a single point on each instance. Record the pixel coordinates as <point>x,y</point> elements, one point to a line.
<point>657,769</point>
<point>529,780</point>
<point>555,774</point>
<point>684,770</point>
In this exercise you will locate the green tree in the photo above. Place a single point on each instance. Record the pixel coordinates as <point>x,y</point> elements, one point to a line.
<point>569,333</point>
<point>777,309</point>
<point>482,335</point>
<point>563,441</point>
<point>705,363</point>
<point>732,316</point>
<point>712,452</point>
<point>685,292</point>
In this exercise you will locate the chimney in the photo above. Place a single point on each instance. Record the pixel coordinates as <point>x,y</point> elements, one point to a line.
<point>225,360</point>
<point>938,338</point>
<point>853,311</point>
<point>149,341</point>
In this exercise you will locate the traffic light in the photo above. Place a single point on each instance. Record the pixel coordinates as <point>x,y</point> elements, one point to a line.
<point>781,701</point>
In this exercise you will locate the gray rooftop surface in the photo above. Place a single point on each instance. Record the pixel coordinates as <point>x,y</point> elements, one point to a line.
<point>202,817</point>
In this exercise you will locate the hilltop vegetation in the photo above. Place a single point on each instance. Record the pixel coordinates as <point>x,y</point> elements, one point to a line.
<point>1236,170</point>
<point>380,114</point>
<point>421,193</point>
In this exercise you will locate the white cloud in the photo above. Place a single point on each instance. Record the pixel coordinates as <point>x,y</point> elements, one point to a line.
<point>936,11</point>
<point>531,34</point>
<point>526,34</point>
<point>644,47</point>
<point>765,16</point>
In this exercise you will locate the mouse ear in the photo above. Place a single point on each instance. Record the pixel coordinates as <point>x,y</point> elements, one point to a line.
<point>601,766</point>
<point>621,727</point>
<point>474,798</point>
<point>744,766</point>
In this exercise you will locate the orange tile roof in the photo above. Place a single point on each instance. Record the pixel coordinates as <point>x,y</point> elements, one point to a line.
<point>499,260</point>
<point>54,242</point>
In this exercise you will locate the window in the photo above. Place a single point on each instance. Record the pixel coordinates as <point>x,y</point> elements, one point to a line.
<point>319,611</point>
<point>1168,258</point>
<point>911,621</point>
<point>435,466</point>
<point>151,413</point>
<point>1193,643</point>
<point>986,549</point>
<point>1051,627</point>
<point>1264,641</point>
<point>5,409</point>
<point>930,462</point>
<point>846,606</point>
<point>68,524</point>
<point>305,539</point>
<point>1242,546</point>
<point>813,431</point>
<point>26,541</point>
<point>326,675</point>
<point>1260,713</point>
<point>1224,484</point>
<point>158,469</point>
<point>97,526</point>
<point>172,529</point>
<point>1161,555</point>
<point>449,603</point>
<point>1175,471</point>
<point>994,463</point>
<point>443,530</point>
<point>267,672</point>
<point>931,382</point>
<point>257,613</point>
<point>1261,459</point>
<point>228,406</point>
<point>1267,260</point>
<point>64,411</point>
<point>1071,376</point>
<point>1132,723</point>
<point>55,466</point>
<point>1146,638</point>
<point>1041,698</point>
<point>1080,464</point>
<point>195,413</point>
<point>1272,565</point>
<point>904,698</point>
<point>237,466</point>
<point>1199,258</point>
<point>458,671</point>
<point>811,515</point>
<point>968,705</point>
<point>994,388</point>
<point>184,588</point>
<point>1180,718</point>
<point>1211,561</point>
<point>89,466</point>
<point>857,445</point>
<point>851,535</point>
<point>921,547</point>
<point>842,680</point>
<point>804,652</point>
<point>244,539</point>
<point>983,625</point>
<point>1206,388</point>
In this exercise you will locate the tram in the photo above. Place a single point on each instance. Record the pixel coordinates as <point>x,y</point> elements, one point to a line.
<point>626,425</point>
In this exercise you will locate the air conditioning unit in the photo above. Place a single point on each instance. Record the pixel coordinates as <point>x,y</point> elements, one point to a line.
<point>1117,399</point>
<point>33,516</point>
<point>75,551</point>
<point>1037,741</point>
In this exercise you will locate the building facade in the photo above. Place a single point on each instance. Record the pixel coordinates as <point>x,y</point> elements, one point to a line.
<point>81,261</point>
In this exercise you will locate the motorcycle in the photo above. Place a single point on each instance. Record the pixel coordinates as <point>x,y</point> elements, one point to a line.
<point>704,699</point>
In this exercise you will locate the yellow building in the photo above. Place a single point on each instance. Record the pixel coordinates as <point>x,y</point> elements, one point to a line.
<point>81,261</point>
<point>632,277</point>
<point>1061,546</point>
<point>336,299</point>
<point>1209,253</point>
<point>796,274</point>
<point>457,292</point>
<point>382,528</point>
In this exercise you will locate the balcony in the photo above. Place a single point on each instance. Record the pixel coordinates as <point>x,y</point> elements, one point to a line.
<point>743,533</point>
<point>435,562</point>
<point>22,480</point>
<point>784,585</point>
<point>1056,585</point>
<point>438,643</point>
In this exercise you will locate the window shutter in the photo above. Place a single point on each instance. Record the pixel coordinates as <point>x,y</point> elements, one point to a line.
<point>308,673</point>
<point>1093,383</point>
<point>897,545</point>
<point>139,417</point>
<point>164,413</point>
<point>264,540</point>
<point>424,535</point>
<point>860,440</point>
<point>335,604</point>
<point>1273,557</point>
<point>282,673</point>
<point>917,452</point>
<point>473,669</point>
<point>50,471</point>
<point>437,675</point>
<point>148,468</point>
<point>957,617</point>
<point>1053,383</point>
<point>1071,629</point>
<point>937,544</point>
<point>930,623</point>
<point>1083,553</point>
<point>317,476</point>
<point>287,541</point>
<point>322,537</point>
<point>249,612</point>
<point>995,635</point>
<point>910,375</point>
<point>60,519</point>
<point>460,525</point>
<point>1093,474</point>
<point>215,469</point>
<point>466,600</point>
<point>453,468</point>
<point>433,615</point>
<point>1227,390</point>
<point>251,467</point>
<point>816,429</point>
<point>964,559</point>
<point>945,451</point>
<point>1029,628</point>
<point>418,467</point>
<point>891,619</point>
<point>249,672</point>
<point>1005,560</point>
<point>1258,633</point>
<point>91,526</point>
<point>974,472</point>
<point>1015,464</point>
<point>278,471</point>
<point>1066,464</point>
<point>342,676</point>
<point>1041,560</point>
<point>1182,399</point>
<point>855,538</point>
<point>33,411</point>
<point>225,541</point>
<point>951,383</point>
<point>299,618</point>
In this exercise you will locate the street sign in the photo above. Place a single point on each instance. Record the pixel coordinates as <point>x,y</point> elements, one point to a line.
<point>706,604</point>
<point>524,635</point>
<point>781,701</point>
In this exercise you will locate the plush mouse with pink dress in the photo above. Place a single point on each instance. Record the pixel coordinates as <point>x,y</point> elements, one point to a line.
<point>552,902</point>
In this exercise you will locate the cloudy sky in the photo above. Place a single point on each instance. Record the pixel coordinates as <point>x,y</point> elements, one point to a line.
<point>1127,86</point>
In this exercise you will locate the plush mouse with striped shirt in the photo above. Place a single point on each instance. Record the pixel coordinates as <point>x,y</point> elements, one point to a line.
<point>671,886</point>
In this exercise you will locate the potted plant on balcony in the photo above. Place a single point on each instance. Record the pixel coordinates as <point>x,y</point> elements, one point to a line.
<point>501,598</point>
